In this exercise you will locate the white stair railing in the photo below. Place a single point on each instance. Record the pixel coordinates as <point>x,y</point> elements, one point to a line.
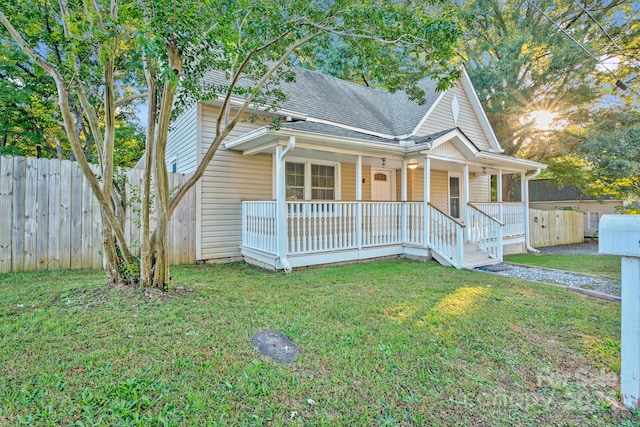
<point>485,231</point>
<point>446,236</point>
<point>511,214</point>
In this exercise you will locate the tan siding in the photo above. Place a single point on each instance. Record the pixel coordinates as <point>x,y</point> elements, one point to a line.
<point>209,117</point>
<point>480,188</point>
<point>182,139</point>
<point>440,190</point>
<point>441,118</point>
<point>348,181</point>
<point>366,186</point>
<point>229,179</point>
<point>416,185</point>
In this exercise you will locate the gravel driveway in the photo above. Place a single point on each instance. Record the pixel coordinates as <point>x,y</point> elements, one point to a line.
<point>592,285</point>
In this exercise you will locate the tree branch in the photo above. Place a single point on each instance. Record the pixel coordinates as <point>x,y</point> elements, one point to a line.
<point>222,135</point>
<point>127,99</point>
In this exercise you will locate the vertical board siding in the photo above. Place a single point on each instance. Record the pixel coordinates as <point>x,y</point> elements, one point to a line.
<point>6,214</point>
<point>43,214</point>
<point>555,227</point>
<point>50,219</point>
<point>17,229</point>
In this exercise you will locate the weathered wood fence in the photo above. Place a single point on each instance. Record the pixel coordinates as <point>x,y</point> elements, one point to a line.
<point>555,227</point>
<point>49,218</point>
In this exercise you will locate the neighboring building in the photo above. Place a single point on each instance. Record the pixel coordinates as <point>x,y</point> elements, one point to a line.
<point>352,173</point>
<point>546,194</point>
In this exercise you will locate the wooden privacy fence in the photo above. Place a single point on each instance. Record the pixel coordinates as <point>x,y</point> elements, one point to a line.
<point>49,218</point>
<point>555,227</point>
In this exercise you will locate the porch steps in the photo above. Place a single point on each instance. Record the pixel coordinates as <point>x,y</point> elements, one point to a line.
<point>475,257</point>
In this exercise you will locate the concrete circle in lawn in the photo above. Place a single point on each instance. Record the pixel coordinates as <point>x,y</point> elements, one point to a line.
<point>276,345</point>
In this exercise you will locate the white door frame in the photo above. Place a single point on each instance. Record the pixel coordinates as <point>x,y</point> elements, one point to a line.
<point>392,181</point>
<point>460,194</point>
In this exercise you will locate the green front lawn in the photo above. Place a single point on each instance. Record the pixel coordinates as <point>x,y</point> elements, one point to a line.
<point>599,265</point>
<point>384,343</point>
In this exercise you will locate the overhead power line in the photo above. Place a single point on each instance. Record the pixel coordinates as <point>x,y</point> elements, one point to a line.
<point>604,31</point>
<point>619,83</point>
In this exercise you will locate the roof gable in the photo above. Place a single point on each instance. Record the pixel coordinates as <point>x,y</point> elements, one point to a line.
<point>460,107</point>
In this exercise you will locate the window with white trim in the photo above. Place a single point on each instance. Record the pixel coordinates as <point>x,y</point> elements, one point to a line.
<point>295,181</point>
<point>323,183</point>
<point>311,180</point>
<point>593,220</point>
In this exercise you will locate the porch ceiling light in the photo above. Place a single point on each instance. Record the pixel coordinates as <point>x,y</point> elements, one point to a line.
<point>412,164</point>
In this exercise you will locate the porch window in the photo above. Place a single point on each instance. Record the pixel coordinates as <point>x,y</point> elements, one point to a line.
<point>311,181</point>
<point>322,182</point>
<point>295,181</point>
<point>454,196</point>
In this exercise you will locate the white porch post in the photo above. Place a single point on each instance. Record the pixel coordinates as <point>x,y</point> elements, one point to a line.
<point>403,198</point>
<point>525,202</point>
<point>499,195</point>
<point>465,199</point>
<point>359,200</point>
<point>281,202</point>
<point>427,199</point>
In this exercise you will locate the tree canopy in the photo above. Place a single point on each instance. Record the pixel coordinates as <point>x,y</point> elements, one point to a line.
<point>100,55</point>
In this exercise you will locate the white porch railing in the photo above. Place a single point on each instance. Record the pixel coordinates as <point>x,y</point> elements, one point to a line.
<point>259,226</point>
<point>321,226</point>
<point>381,223</point>
<point>314,227</point>
<point>414,223</point>
<point>510,214</point>
<point>446,236</point>
<point>485,231</point>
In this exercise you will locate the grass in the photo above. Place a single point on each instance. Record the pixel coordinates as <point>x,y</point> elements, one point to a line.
<point>384,343</point>
<point>600,265</point>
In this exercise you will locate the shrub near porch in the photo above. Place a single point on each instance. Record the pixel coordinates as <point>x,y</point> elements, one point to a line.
<point>384,343</point>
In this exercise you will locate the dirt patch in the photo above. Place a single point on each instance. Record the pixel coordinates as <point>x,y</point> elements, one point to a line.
<point>586,248</point>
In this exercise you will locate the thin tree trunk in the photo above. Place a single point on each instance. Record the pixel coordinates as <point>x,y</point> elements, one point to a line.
<point>111,260</point>
<point>161,273</point>
<point>146,275</point>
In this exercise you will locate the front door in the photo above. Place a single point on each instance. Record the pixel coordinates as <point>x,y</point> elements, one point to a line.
<point>381,185</point>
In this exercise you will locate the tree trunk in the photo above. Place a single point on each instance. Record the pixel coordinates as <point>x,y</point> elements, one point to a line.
<point>160,242</point>
<point>111,261</point>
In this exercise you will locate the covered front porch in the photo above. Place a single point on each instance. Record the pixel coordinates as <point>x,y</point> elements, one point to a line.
<point>287,232</point>
<point>328,232</point>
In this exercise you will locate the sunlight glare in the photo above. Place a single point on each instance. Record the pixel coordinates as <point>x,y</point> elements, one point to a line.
<point>544,120</point>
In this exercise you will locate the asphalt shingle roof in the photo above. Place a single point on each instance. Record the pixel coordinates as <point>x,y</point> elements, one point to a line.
<point>328,98</point>
<point>326,129</point>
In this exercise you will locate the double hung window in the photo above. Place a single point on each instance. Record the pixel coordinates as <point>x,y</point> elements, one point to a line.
<point>311,181</point>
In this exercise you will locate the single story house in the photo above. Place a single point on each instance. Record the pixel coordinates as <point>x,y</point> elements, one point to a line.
<point>546,194</point>
<point>352,173</point>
